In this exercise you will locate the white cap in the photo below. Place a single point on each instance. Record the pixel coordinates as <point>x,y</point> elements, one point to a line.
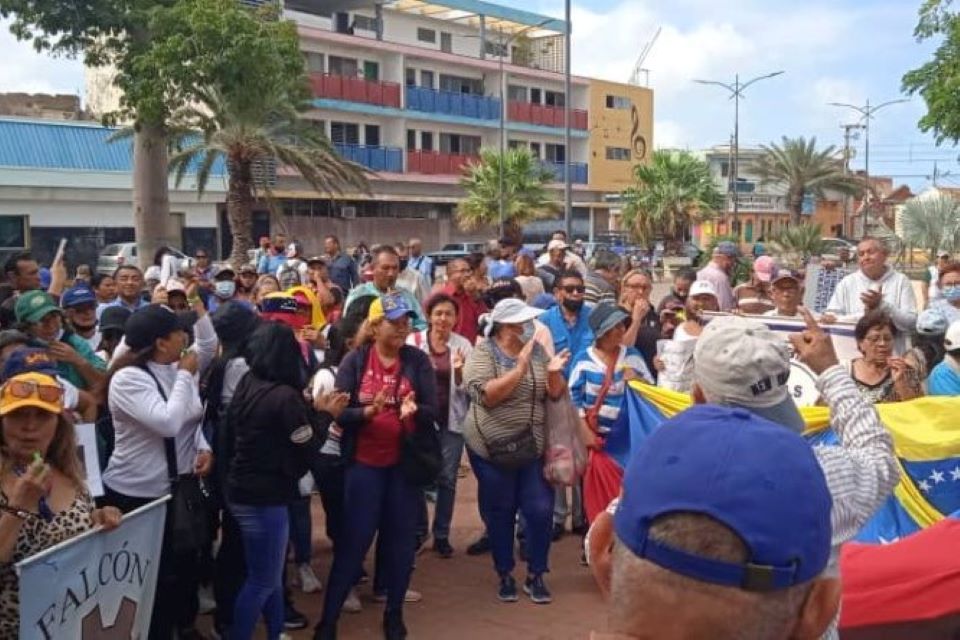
<point>173,285</point>
<point>951,341</point>
<point>556,244</point>
<point>152,273</point>
<point>510,311</point>
<point>742,363</point>
<point>702,287</point>
<point>943,253</point>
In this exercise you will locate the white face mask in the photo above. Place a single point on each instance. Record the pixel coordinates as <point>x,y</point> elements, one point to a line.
<point>225,289</point>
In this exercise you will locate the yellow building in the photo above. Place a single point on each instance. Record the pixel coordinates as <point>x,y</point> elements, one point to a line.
<point>621,133</point>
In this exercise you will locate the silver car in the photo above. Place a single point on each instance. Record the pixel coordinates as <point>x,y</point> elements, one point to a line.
<point>117,255</point>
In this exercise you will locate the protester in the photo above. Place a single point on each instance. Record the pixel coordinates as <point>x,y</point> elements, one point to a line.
<point>202,269</point>
<point>224,287</point>
<point>386,269</point>
<point>875,286</point>
<point>602,281</point>
<point>469,307</point>
<point>643,331</point>
<point>948,304</point>
<point>786,293</point>
<point>879,375</point>
<point>271,262</point>
<point>44,499</point>
<point>670,319</point>
<point>927,350</point>
<point>42,320</point>
<point>409,278</point>
<point>945,378</point>
<point>154,400</point>
<point>105,287</point>
<point>343,269</point>
<point>741,363</point>
<point>527,276</point>
<point>177,295</point>
<point>83,274</point>
<point>420,262</point>
<point>692,528</point>
<point>266,284</point>
<point>569,321</point>
<point>719,271</point>
<point>509,378</point>
<point>703,297</point>
<point>22,271</point>
<point>448,352</point>
<point>932,278</point>
<point>246,282</point>
<point>392,393</point>
<point>129,281</point>
<point>753,296</point>
<point>679,290</point>
<point>112,324</point>
<point>293,272</point>
<point>79,305</point>
<point>568,259</point>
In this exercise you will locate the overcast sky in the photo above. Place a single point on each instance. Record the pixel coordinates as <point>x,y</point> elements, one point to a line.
<point>831,51</point>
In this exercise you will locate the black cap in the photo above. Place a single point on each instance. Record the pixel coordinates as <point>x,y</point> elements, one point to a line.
<point>234,321</point>
<point>114,318</point>
<point>147,324</point>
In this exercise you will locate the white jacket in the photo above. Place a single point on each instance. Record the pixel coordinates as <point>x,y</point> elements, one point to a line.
<point>898,301</point>
<point>459,400</point>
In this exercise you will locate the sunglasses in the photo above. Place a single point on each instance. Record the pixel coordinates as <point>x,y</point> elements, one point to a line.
<point>22,389</point>
<point>571,288</point>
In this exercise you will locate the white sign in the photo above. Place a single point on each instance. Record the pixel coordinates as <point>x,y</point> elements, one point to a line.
<point>97,585</point>
<point>87,451</point>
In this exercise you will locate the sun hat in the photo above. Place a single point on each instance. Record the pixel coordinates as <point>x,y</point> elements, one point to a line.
<point>605,316</point>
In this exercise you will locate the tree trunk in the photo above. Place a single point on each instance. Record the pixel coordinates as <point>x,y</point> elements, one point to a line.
<point>513,231</point>
<point>240,211</point>
<point>795,206</point>
<point>151,193</point>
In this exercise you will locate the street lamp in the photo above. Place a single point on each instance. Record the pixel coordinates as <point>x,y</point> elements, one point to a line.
<point>866,114</point>
<point>736,92</point>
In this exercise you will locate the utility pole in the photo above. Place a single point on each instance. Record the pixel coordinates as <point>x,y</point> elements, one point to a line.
<point>567,99</point>
<point>847,136</point>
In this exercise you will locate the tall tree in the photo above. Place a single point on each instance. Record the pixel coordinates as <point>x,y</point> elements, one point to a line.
<point>936,81</point>
<point>525,195</point>
<point>798,166</point>
<point>931,223</point>
<point>671,193</point>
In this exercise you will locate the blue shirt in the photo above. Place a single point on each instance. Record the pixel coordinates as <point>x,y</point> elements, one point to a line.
<point>118,302</point>
<point>944,380</point>
<point>343,272</point>
<point>575,337</point>
<point>586,380</point>
<point>501,269</point>
<point>271,264</point>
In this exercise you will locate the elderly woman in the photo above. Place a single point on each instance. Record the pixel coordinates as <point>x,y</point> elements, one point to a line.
<point>509,378</point>
<point>879,376</point>
<point>43,497</point>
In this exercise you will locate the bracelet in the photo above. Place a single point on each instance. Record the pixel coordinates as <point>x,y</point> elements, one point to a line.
<point>22,514</point>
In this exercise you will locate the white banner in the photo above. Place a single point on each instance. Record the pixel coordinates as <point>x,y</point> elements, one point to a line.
<point>97,585</point>
<point>87,452</point>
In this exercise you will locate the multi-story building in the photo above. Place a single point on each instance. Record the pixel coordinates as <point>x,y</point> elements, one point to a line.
<point>414,90</point>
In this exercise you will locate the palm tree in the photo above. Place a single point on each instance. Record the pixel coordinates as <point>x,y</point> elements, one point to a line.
<point>932,223</point>
<point>797,165</point>
<point>796,244</point>
<point>673,191</point>
<point>249,132</point>
<point>525,195</point>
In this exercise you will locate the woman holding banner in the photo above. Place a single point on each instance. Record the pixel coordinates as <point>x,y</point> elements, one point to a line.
<point>43,496</point>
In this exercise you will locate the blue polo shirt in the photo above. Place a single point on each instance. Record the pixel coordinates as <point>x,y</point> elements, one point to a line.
<point>576,337</point>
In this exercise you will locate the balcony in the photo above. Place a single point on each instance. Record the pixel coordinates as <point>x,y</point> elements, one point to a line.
<point>544,115</point>
<point>578,171</point>
<point>384,159</point>
<point>452,103</point>
<point>436,163</point>
<point>355,89</point>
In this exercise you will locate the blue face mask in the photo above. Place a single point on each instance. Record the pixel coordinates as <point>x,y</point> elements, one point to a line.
<point>528,331</point>
<point>225,289</point>
<point>951,293</point>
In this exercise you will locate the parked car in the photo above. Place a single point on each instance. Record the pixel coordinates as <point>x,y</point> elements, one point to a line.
<point>117,255</point>
<point>455,250</point>
<point>834,245</point>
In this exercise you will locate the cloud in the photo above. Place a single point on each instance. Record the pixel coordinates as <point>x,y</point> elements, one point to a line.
<point>23,70</point>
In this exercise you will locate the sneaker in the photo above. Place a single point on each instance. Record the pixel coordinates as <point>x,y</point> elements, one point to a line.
<point>508,589</point>
<point>537,590</point>
<point>205,600</point>
<point>352,603</point>
<point>293,619</point>
<point>443,548</point>
<point>309,583</point>
<point>410,597</point>
<point>393,627</point>
<point>480,547</point>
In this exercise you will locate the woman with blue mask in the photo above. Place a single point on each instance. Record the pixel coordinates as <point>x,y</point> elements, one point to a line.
<point>509,377</point>
<point>949,283</point>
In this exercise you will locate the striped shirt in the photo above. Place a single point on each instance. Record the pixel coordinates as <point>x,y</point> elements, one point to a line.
<point>586,380</point>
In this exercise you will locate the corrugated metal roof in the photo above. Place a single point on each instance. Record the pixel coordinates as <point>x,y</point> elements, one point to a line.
<point>69,146</point>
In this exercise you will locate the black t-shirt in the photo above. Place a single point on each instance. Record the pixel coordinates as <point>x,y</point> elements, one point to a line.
<point>275,442</point>
<point>647,339</point>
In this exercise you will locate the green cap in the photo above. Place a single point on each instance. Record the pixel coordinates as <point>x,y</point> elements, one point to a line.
<point>32,306</point>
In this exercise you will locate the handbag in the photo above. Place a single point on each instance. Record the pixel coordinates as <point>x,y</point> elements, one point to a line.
<point>187,523</point>
<point>515,449</point>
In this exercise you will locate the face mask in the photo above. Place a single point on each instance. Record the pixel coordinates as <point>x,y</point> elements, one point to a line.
<point>573,305</point>
<point>528,331</point>
<point>951,293</point>
<point>225,289</point>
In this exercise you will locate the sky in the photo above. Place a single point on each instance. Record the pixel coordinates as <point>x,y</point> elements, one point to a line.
<point>830,50</point>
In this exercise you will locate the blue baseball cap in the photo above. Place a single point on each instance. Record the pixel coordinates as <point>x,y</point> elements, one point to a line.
<point>77,295</point>
<point>755,477</point>
<point>28,360</point>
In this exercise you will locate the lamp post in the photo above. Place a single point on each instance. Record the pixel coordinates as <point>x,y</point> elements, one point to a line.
<point>866,114</point>
<point>567,99</point>
<point>736,92</point>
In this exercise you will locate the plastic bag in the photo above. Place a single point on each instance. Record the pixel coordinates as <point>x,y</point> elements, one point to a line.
<point>565,456</point>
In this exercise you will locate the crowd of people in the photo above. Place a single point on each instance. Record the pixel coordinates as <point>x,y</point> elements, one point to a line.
<point>365,376</point>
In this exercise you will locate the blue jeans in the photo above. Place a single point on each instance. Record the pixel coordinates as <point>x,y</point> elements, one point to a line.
<point>376,499</point>
<point>265,530</point>
<point>301,530</point>
<point>452,444</point>
<point>501,494</point>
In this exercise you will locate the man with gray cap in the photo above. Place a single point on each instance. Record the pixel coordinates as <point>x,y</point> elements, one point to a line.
<point>741,363</point>
<point>718,271</point>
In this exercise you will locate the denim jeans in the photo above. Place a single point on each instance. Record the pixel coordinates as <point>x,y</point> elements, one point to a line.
<point>301,530</point>
<point>265,532</point>
<point>377,500</point>
<point>502,493</point>
<point>452,445</point>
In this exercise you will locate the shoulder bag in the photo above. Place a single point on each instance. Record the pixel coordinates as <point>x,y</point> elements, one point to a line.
<point>514,449</point>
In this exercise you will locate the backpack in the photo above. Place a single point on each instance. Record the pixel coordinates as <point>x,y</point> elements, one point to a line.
<point>289,275</point>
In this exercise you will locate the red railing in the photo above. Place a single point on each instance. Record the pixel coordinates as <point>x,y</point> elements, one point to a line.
<point>434,162</point>
<point>544,115</point>
<point>354,89</point>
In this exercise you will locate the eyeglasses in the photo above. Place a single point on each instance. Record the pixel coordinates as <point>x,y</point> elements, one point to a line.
<point>571,289</point>
<point>879,339</point>
<point>639,286</point>
<point>22,389</point>
<point>200,257</point>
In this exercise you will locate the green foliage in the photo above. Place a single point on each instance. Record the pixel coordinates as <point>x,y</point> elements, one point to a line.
<point>932,223</point>
<point>673,191</point>
<point>525,195</point>
<point>743,266</point>
<point>937,80</point>
<point>796,244</point>
<point>798,166</point>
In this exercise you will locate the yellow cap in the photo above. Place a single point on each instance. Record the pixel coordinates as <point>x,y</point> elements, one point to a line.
<point>10,402</point>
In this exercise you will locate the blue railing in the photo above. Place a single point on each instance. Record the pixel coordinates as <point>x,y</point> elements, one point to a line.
<point>578,171</point>
<point>389,159</point>
<point>452,103</point>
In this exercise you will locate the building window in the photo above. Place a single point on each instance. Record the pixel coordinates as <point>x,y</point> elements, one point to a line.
<point>344,133</point>
<point>426,79</point>
<point>458,84</point>
<point>535,95</point>
<point>495,49</point>
<point>459,144</point>
<point>343,66</point>
<point>556,153</point>
<point>427,35</point>
<point>618,102</point>
<point>314,62</point>
<point>618,153</point>
<point>364,23</point>
<point>371,135</point>
<point>446,42</point>
<point>410,77</point>
<point>411,140</point>
<point>517,93</point>
<point>724,168</point>
<point>553,98</point>
<point>371,70</point>
<point>516,144</point>
<point>535,149</point>
<point>426,140</point>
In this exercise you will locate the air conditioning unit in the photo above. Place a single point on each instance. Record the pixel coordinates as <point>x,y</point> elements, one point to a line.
<point>348,212</point>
